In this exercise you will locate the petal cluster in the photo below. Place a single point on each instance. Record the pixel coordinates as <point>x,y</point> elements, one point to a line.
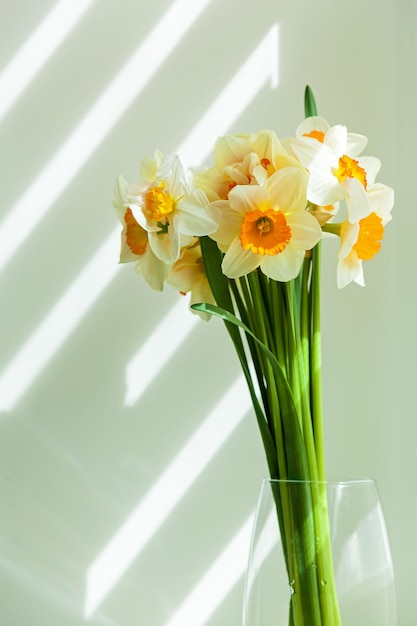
<point>163,215</point>
<point>339,173</point>
<point>266,202</point>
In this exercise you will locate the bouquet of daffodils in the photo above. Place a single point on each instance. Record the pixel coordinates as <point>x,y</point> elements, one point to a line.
<point>243,238</point>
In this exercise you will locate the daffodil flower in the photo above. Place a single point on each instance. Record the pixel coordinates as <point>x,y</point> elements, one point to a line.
<point>243,160</point>
<point>361,241</point>
<point>134,244</point>
<point>167,207</point>
<point>337,172</point>
<point>267,226</point>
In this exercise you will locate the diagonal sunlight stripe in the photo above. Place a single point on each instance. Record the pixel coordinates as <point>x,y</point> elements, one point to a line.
<point>165,494</point>
<point>158,349</point>
<point>114,101</point>
<point>225,572</point>
<point>58,324</point>
<point>217,582</point>
<point>38,49</point>
<point>21,373</point>
<point>260,67</point>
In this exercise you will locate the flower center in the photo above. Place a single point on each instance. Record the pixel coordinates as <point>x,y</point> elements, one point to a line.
<point>265,232</point>
<point>315,134</point>
<point>136,236</point>
<point>349,168</point>
<point>158,203</point>
<point>371,233</point>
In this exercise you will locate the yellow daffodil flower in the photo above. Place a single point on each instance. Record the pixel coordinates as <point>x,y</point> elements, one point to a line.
<point>267,226</point>
<point>243,160</point>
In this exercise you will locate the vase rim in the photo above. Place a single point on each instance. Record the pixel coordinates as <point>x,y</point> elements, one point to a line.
<point>343,480</point>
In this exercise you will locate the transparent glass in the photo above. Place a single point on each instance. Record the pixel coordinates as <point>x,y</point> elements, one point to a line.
<point>362,569</point>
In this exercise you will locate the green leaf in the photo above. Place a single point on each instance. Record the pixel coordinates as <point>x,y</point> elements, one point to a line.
<point>310,107</point>
<point>295,449</point>
<point>219,285</point>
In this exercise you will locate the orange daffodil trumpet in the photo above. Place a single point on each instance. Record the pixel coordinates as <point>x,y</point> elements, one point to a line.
<point>265,202</point>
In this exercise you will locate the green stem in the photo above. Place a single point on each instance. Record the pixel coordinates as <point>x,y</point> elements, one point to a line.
<point>316,363</point>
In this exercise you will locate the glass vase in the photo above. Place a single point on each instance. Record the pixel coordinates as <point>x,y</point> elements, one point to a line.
<point>319,556</point>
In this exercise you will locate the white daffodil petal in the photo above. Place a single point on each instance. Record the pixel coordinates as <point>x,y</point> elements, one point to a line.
<point>149,166</point>
<point>166,246</point>
<point>313,123</point>
<point>348,237</point>
<point>120,197</point>
<point>336,139</point>
<point>284,266</point>
<point>371,165</point>
<point>356,199</point>
<point>267,145</point>
<point>307,150</point>
<point>305,229</point>
<point>381,201</point>
<point>126,254</point>
<point>229,224</point>
<point>349,270</point>
<point>355,144</point>
<point>288,189</point>
<point>152,269</point>
<point>323,188</point>
<point>201,292</point>
<point>230,149</point>
<point>238,262</point>
<point>246,198</point>
<point>194,219</point>
<point>260,174</point>
<point>236,175</point>
<point>139,215</point>
<point>173,171</point>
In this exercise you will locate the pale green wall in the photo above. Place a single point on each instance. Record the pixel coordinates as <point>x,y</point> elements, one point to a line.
<point>75,462</point>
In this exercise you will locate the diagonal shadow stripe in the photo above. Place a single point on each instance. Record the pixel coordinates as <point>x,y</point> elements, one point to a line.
<point>35,203</point>
<point>260,68</point>
<point>218,581</point>
<point>38,48</point>
<point>21,372</point>
<point>165,494</point>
